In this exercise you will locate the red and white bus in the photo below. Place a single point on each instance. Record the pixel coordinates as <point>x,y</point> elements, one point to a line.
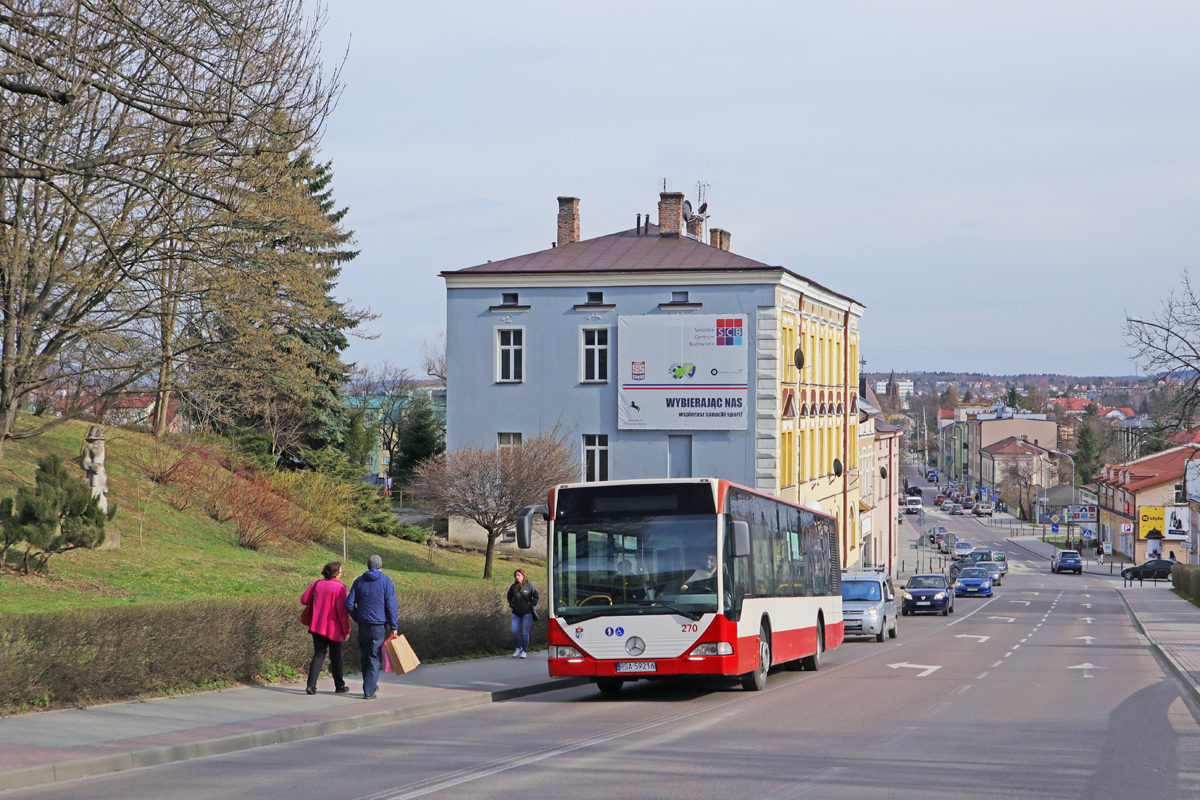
<point>655,578</point>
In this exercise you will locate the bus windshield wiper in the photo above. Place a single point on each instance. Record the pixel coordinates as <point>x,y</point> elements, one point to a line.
<point>692,615</point>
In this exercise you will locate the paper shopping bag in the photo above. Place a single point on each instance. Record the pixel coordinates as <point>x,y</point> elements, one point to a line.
<point>385,662</point>
<point>401,655</point>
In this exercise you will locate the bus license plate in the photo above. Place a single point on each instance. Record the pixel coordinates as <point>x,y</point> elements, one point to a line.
<point>637,666</point>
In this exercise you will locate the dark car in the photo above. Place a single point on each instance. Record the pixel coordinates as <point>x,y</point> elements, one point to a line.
<point>914,491</point>
<point>1155,568</point>
<point>1066,561</point>
<point>968,502</point>
<point>927,593</point>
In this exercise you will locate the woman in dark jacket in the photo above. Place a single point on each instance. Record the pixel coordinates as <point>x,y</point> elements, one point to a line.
<point>522,599</point>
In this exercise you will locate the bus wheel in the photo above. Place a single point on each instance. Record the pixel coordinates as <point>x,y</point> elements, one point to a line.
<point>813,663</point>
<point>609,685</point>
<point>757,680</point>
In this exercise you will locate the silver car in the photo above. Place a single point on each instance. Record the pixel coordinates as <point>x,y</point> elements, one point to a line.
<point>869,605</point>
<point>962,548</point>
<point>1000,558</point>
<point>993,570</point>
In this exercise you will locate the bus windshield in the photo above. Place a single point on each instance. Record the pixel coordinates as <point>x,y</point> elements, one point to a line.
<point>635,564</point>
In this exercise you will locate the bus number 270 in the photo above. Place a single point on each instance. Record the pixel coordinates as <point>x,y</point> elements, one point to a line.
<point>691,627</point>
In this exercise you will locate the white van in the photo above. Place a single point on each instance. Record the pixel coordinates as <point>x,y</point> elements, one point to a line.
<point>912,505</point>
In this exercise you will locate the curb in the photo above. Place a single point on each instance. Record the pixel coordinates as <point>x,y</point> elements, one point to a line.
<point>154,756</point>
<point>1086,571</point>
<point>1182,674</point>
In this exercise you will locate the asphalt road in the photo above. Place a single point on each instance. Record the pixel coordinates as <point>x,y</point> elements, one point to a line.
<point>1002,703</point>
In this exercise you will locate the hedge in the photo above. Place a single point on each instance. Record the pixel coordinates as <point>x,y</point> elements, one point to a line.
<point>85,656</point>
<point>1186,579</point>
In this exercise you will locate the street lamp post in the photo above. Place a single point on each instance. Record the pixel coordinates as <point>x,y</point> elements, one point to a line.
<point>1074,491</point>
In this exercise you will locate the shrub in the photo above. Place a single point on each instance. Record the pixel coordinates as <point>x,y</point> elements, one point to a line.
<point>326,502</point>
<point>413,533</point>
<point>81,656</point>
<point>1186,578</point>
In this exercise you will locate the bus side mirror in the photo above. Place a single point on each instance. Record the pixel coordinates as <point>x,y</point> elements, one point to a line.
<point>741,538</point>
<point>525,524</point>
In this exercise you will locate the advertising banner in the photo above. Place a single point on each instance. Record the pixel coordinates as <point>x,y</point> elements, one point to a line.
<point>1191,479</point>
<point>1151,518</point>
<point>1179,523</point>
<point>683,373</point>
<point>1081,513</point>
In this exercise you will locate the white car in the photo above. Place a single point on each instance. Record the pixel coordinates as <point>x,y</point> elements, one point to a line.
<point>962,548</point>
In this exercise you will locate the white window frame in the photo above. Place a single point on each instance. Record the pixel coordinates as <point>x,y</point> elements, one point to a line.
<point>500,444</point>
<point>599,450</point>
<point>584,350</point>
<point>499,353</point>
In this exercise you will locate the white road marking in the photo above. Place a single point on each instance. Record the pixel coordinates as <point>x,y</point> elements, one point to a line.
<point>1087,605</point>
<point>811,782</point>
<point>963,689</point>
<point>1006,619</point>
<point>928,669</point>
<point>1087,669</point>
<point>981,639</point>
<point>1023,602</point>
<point>981,676</point>
<point>1088,620</point>
<point>998,663</point>
<point>1087,639</point>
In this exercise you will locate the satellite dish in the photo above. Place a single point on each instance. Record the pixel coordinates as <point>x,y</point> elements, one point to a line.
<point>837,467</point>
<point>883,473</point>
<point>798,358</point>
<point>687,209</point>
<point>703,208</point>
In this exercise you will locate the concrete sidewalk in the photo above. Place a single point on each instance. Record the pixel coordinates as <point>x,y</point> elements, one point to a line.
<point>1170,623</point>
<point>63,745</point>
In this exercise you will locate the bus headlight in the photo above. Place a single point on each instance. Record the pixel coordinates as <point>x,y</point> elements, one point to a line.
<point>713,649</point>
<point>563,651</point>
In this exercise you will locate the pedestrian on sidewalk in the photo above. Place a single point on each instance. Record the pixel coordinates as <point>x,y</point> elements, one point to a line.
<point>325,609</point>
<point>372,604</point>
<point>523,600</point>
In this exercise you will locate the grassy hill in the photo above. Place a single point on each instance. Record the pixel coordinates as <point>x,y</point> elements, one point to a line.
<point>168,554</point>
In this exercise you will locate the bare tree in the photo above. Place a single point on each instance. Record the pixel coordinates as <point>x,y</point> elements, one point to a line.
<point>1168,344</point>
<point>124,132</point>
<point>433,358</point>
<point>490,485</point>
<point>385,391</point>
<point>1019,482</point>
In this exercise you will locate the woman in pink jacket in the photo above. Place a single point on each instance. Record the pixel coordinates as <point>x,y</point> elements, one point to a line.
<point>325,610</point>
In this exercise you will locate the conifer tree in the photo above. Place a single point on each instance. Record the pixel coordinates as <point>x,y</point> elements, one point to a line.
<point>420,439</point>
<point>58,514</point>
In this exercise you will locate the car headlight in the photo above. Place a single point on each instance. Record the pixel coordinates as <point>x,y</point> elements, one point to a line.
<point>959,584</point>
<point>940,596</point>
<point>563,651</point>
<point>713,649</point>
<point>987,584</point>
<point>906,595</point>
<point>871,612</point>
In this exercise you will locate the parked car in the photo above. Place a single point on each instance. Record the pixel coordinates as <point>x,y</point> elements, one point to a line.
<point>973,581</point>
<point>968,503</point>
<point>993,571</point>
<point>956,509</point>
<point>1066,561</point>
<point>984,508</point>
<point>941,498</point>
<point>1155,568</point>
<point>914,491</point>
<point>927,593</point>
<point>869,604</point>
<point>961,548</point>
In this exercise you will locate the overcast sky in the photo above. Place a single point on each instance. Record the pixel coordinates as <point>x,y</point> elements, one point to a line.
<point>997,182</point>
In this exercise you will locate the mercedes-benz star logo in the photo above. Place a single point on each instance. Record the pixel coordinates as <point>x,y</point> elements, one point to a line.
<point>635,646</point>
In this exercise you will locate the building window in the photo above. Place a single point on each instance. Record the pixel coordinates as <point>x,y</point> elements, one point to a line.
<point>507,440</point>
<point>595,298</point>
<point>595,355</point>
<point>509,299</point>
<point>787,466</point>
<point>595,456</point>
<point>510,352</point>
<point>679,297</point>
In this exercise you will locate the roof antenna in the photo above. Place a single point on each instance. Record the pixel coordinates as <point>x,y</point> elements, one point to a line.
<point>639,225</point>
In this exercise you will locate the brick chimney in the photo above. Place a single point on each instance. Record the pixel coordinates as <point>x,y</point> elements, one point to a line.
<point>695,227</point>
<point>719,239</point>
<point>670,214</point>
<point>568,220</point>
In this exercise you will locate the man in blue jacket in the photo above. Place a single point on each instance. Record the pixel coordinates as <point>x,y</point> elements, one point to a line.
<point>372,604</point>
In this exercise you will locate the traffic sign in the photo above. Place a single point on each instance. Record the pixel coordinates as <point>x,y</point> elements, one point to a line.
<point>1055,519</point>
<point>1054,527</point>
<point>1126,527</point>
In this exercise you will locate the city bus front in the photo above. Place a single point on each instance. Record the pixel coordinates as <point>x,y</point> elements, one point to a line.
<point>639,586</point>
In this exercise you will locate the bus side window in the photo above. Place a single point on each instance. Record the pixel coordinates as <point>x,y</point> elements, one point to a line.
<point>734,571</point>
<point>761,547</point>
